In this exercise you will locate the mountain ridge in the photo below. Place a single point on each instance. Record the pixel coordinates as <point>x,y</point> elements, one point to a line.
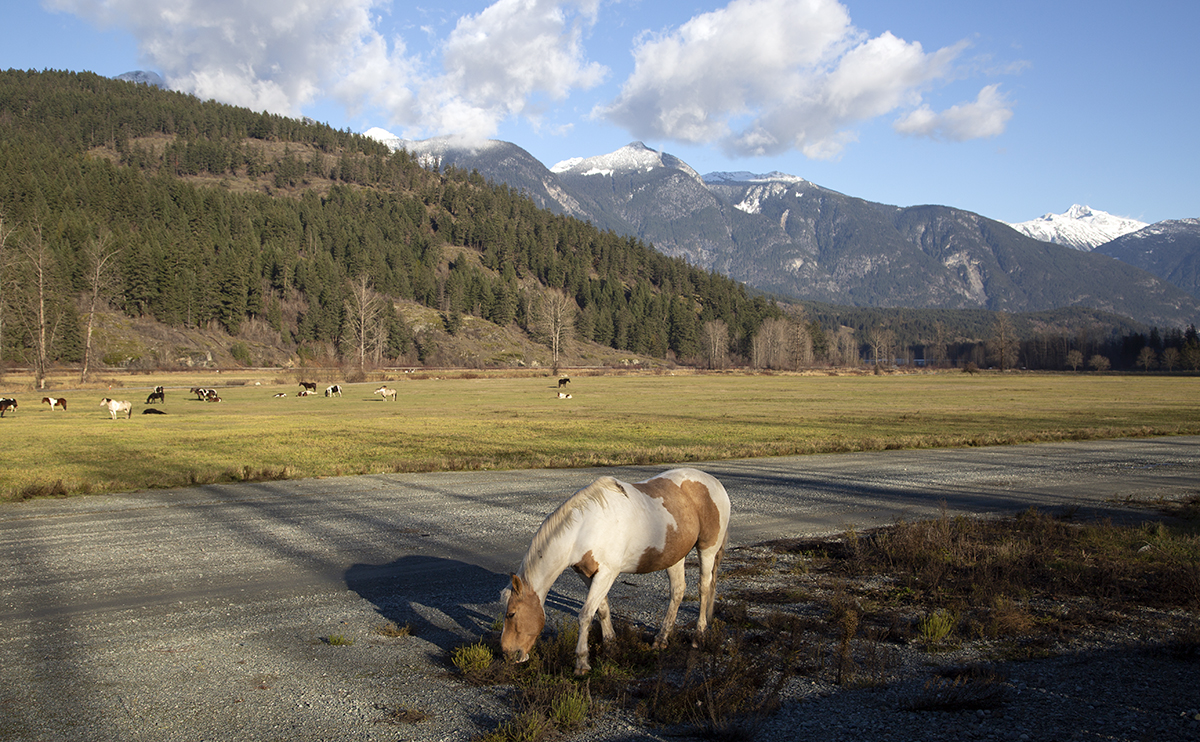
<point>788,236</point>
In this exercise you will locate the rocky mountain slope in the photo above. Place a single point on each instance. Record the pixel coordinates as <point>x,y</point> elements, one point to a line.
<point>786,235</point>
<point>1170,250</point>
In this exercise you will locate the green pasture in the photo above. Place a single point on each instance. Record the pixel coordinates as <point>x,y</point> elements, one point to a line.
<point>505,423</point>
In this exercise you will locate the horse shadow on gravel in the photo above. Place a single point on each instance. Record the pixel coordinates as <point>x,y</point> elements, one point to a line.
<point>443,601</point>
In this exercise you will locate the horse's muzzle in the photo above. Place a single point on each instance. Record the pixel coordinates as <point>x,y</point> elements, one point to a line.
<point>518,656</point>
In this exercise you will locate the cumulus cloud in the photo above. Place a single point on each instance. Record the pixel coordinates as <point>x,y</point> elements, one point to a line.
<point>495,64</point>
<point>268,55</point>
<point>985,117</point>
<point>280,55</point>
<point>761,77</point>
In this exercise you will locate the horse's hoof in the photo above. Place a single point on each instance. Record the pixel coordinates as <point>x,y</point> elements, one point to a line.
<point>581,671</point>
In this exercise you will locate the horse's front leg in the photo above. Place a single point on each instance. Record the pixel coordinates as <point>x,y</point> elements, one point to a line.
<point>678,587</point>
<point>597,598</point>
<point>602,612</point>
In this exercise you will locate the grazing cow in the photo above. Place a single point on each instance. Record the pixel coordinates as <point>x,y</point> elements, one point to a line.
<point>55,402</point>
<point>334,389</point>
<point>563,382</point>
<point>153,411</point>
<point>280,394</point>
<point>116,407</point>
<point>386,393</point>
<point>158,395</point>
<point>6,404</point>
<point>309,386</point>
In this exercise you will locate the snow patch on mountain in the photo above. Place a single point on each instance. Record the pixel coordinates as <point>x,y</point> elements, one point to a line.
<point>632,158</point>
<point>743,177</point>
<point>1081,227</point>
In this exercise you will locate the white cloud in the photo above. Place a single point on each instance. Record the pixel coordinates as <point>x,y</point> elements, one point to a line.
<point>497,63</point>
<point>280,55</point>
<point>985,117</point>
<point>761,77</point>
<point>269,55</point>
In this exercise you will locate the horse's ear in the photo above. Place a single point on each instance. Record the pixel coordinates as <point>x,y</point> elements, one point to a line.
<point>517,584</point>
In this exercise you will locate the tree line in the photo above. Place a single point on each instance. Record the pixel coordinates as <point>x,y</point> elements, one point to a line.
<point>198,214</point>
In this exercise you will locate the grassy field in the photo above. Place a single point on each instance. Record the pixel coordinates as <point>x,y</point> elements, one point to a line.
<point>506,422</point>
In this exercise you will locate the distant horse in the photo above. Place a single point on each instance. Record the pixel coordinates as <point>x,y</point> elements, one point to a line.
<point>6,404</point>
<point>334,389</point>
<point>386,393</point>
<point>116,407</point>
<point>563,382</point>
<point>153,411</point>
<point>611,527</point>
<point>158,395</point>
<point>280,394</point>
<point>55,402</point>
<point>310,386</point>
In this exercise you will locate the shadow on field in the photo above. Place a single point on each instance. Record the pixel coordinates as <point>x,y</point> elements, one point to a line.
<point>436,597</point>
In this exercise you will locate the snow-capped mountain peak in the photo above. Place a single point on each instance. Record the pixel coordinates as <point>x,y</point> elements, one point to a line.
<point>1081,227</point>
<point>633,157</point>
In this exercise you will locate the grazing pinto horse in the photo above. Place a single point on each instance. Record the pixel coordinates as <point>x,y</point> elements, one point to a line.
<point>334,389</point>
<point>55,402</point>
<point>115,407</point>
<point>309,386</point>
<point>6,404</point>
<point>386,393</point>
<point>610,527</point>
<point>158,395</point>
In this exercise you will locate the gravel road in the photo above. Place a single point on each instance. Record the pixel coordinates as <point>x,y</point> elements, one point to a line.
<point>252,611</point>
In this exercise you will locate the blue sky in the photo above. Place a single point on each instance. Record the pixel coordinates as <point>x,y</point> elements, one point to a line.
<point>1011,110</point>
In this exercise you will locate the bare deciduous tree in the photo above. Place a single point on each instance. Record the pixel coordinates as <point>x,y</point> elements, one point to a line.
<point>847,346</point>
<point>364,309</point>
<point>38,264</point>
<point>882,341</point>
<point>101,255</point>
<point>553,313</point>
<point>1074,359</point>
<point>714,342</point>
<point>1004,346</point>
<point>6,277</point>
<point>771,345</point>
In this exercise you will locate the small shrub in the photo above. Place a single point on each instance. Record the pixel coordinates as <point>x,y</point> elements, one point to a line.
<point>935,628</point>
<point>472,660</point>
<point>339,640</point>
<point>241,353</point>
<point>391,630</point>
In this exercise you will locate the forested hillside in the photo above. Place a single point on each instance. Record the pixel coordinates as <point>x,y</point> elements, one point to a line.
<point>197,213</point>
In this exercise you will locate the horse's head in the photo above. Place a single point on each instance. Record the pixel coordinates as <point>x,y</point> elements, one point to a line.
<point>524,620</point>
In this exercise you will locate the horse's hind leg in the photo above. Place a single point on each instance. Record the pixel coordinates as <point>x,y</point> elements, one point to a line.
<point>710,562</point>
<point>678,587</point>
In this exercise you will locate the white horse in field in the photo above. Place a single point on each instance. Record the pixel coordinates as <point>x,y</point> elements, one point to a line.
<point>387,393</point>
<point>116,407</point>
<point>611,527</point>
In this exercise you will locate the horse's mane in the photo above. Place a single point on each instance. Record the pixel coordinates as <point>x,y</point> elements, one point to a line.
<point>558,521</point>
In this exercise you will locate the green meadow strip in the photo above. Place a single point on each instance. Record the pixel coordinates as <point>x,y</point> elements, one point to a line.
<point>508,423</point>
